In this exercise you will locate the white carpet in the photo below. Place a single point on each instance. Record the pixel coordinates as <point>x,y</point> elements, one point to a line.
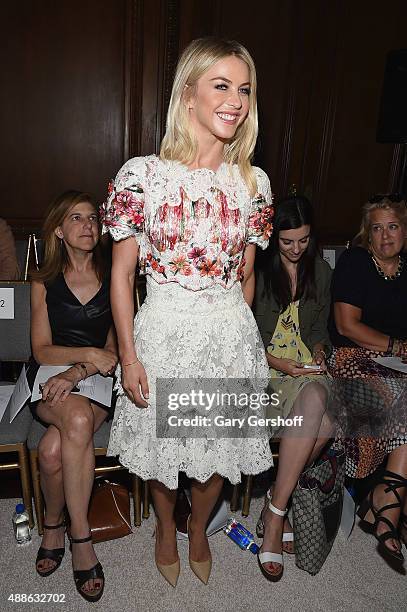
<point>354,578</point>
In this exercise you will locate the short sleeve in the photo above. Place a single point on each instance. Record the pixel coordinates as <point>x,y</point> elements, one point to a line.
<point>347,281</point>
<point>122,215</point>
<point>261,214</point>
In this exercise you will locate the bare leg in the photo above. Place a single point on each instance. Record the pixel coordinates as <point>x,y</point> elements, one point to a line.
<point>49,457</point>
<point>164,499</point>
<point>204,497</point>
<point>294,453</point>
<point>76,419</point>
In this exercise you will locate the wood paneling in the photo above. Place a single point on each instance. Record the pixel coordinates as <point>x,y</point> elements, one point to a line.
<point>64,111</point>
<point>88,85</point>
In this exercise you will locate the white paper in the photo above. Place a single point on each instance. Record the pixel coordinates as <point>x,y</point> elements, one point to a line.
<point>348,513</point>
<point>95,387</point>
<point>6,303</point>
<point>329,256</point>
<point>394,363</point>
<point>20,395</point>
<point>6,391</point>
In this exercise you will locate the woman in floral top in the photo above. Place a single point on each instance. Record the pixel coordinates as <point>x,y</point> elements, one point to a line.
<point>194,216</point>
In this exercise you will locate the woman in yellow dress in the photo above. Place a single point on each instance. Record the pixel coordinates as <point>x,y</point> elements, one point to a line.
<point>292,308</point>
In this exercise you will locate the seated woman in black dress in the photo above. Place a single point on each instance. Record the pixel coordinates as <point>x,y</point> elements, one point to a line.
<point>370,320</point>
<point>71,324</point>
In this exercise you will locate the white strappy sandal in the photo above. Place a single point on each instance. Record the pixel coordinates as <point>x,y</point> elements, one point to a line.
<point>287,536</point>
<point>270,557</point>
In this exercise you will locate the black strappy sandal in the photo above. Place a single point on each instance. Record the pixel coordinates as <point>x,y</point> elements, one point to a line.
<point>393,482</point>
<point>82,576</point>
<point>51,554</point>
<point>403,528</point>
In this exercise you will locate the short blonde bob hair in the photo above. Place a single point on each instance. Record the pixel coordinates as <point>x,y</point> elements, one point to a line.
<point>384,202</point>
<point>179,142</point>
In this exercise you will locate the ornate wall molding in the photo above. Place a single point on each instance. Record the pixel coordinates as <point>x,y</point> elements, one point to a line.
<point>170,57</point>
<point>133,75</point>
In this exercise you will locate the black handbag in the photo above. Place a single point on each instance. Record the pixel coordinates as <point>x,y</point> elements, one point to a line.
<point>317,510</point>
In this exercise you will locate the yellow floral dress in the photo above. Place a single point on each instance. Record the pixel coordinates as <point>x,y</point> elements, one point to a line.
<point>287,343</point>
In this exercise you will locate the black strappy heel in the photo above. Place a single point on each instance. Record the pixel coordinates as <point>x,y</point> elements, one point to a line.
<point>82,576</point>
<point>393,482</point>
<point>403,528</point>
<point>51,554</point>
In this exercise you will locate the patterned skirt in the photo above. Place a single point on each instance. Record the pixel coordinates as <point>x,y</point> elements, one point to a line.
<point>370,403</point>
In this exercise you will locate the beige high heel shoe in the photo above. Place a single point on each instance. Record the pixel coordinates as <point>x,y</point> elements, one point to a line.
<point>201,569</point>
<point>169,572</point>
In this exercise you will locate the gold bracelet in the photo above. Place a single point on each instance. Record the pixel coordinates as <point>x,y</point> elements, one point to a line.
<point>124,365</point>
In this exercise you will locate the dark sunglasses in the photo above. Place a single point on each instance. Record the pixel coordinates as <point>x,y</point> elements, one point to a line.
<point>392,197</point>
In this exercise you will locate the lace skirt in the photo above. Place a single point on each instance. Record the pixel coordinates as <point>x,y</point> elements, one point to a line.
<point>180,333</point>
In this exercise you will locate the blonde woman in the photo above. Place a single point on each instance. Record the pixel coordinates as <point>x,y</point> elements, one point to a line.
<point>369,291</point>
<point>71,324</point>
<point>193,217</point>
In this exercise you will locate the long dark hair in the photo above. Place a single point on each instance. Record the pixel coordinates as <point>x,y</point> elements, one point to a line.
<point>290,213</point>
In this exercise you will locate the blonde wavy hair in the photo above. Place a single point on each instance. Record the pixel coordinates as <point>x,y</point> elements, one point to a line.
<point>179,142</point>
<point>381,202</point>
<point>56,258</point>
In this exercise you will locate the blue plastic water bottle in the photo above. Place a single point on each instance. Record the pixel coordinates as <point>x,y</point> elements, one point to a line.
<point>241,536</point>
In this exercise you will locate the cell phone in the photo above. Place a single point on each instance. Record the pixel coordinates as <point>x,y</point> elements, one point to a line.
<point>311,366</point>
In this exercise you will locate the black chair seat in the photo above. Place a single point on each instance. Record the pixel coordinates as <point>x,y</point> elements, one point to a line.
<point>17,431</point>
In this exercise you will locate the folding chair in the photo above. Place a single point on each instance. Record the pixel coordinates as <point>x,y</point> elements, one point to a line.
<point>13,438</point>
<point>15,347</point>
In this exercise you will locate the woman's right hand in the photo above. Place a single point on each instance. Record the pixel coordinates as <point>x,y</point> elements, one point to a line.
<point>288,366</point>
<point>134,382</point>
<point>104,360</point>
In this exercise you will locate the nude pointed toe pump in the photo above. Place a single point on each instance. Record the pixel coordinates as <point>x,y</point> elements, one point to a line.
<point>169,572</point>
<point>201,569</point>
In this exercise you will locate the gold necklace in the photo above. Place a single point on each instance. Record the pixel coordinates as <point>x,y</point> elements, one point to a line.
<point>388,277</point>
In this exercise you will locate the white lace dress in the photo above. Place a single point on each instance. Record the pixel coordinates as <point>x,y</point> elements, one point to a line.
<point>192,228</point>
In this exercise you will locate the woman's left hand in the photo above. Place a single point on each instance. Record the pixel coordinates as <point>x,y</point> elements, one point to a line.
<point>58,387</point>
<point>318,358</point>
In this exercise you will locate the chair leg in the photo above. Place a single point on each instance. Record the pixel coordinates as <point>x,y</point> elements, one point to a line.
<point>247,495</point>
<point>39,506</point>
<point>25,481</point>
<point>146,502</point>
<point>136,485</point>
<point>234,502</point>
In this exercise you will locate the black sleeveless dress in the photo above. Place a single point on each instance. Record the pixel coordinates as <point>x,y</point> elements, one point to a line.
<point>75,324</point>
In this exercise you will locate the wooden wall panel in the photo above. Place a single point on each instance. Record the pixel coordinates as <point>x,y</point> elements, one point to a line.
<point>358,166</point>
<point>320,70</point>
<point>64,122</point>
<point>88,85</point>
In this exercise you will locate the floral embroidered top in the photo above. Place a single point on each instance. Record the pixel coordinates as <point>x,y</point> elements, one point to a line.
<point>191,225</point>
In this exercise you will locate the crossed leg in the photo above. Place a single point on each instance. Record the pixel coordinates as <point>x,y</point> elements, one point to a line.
<point>67,464</point>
